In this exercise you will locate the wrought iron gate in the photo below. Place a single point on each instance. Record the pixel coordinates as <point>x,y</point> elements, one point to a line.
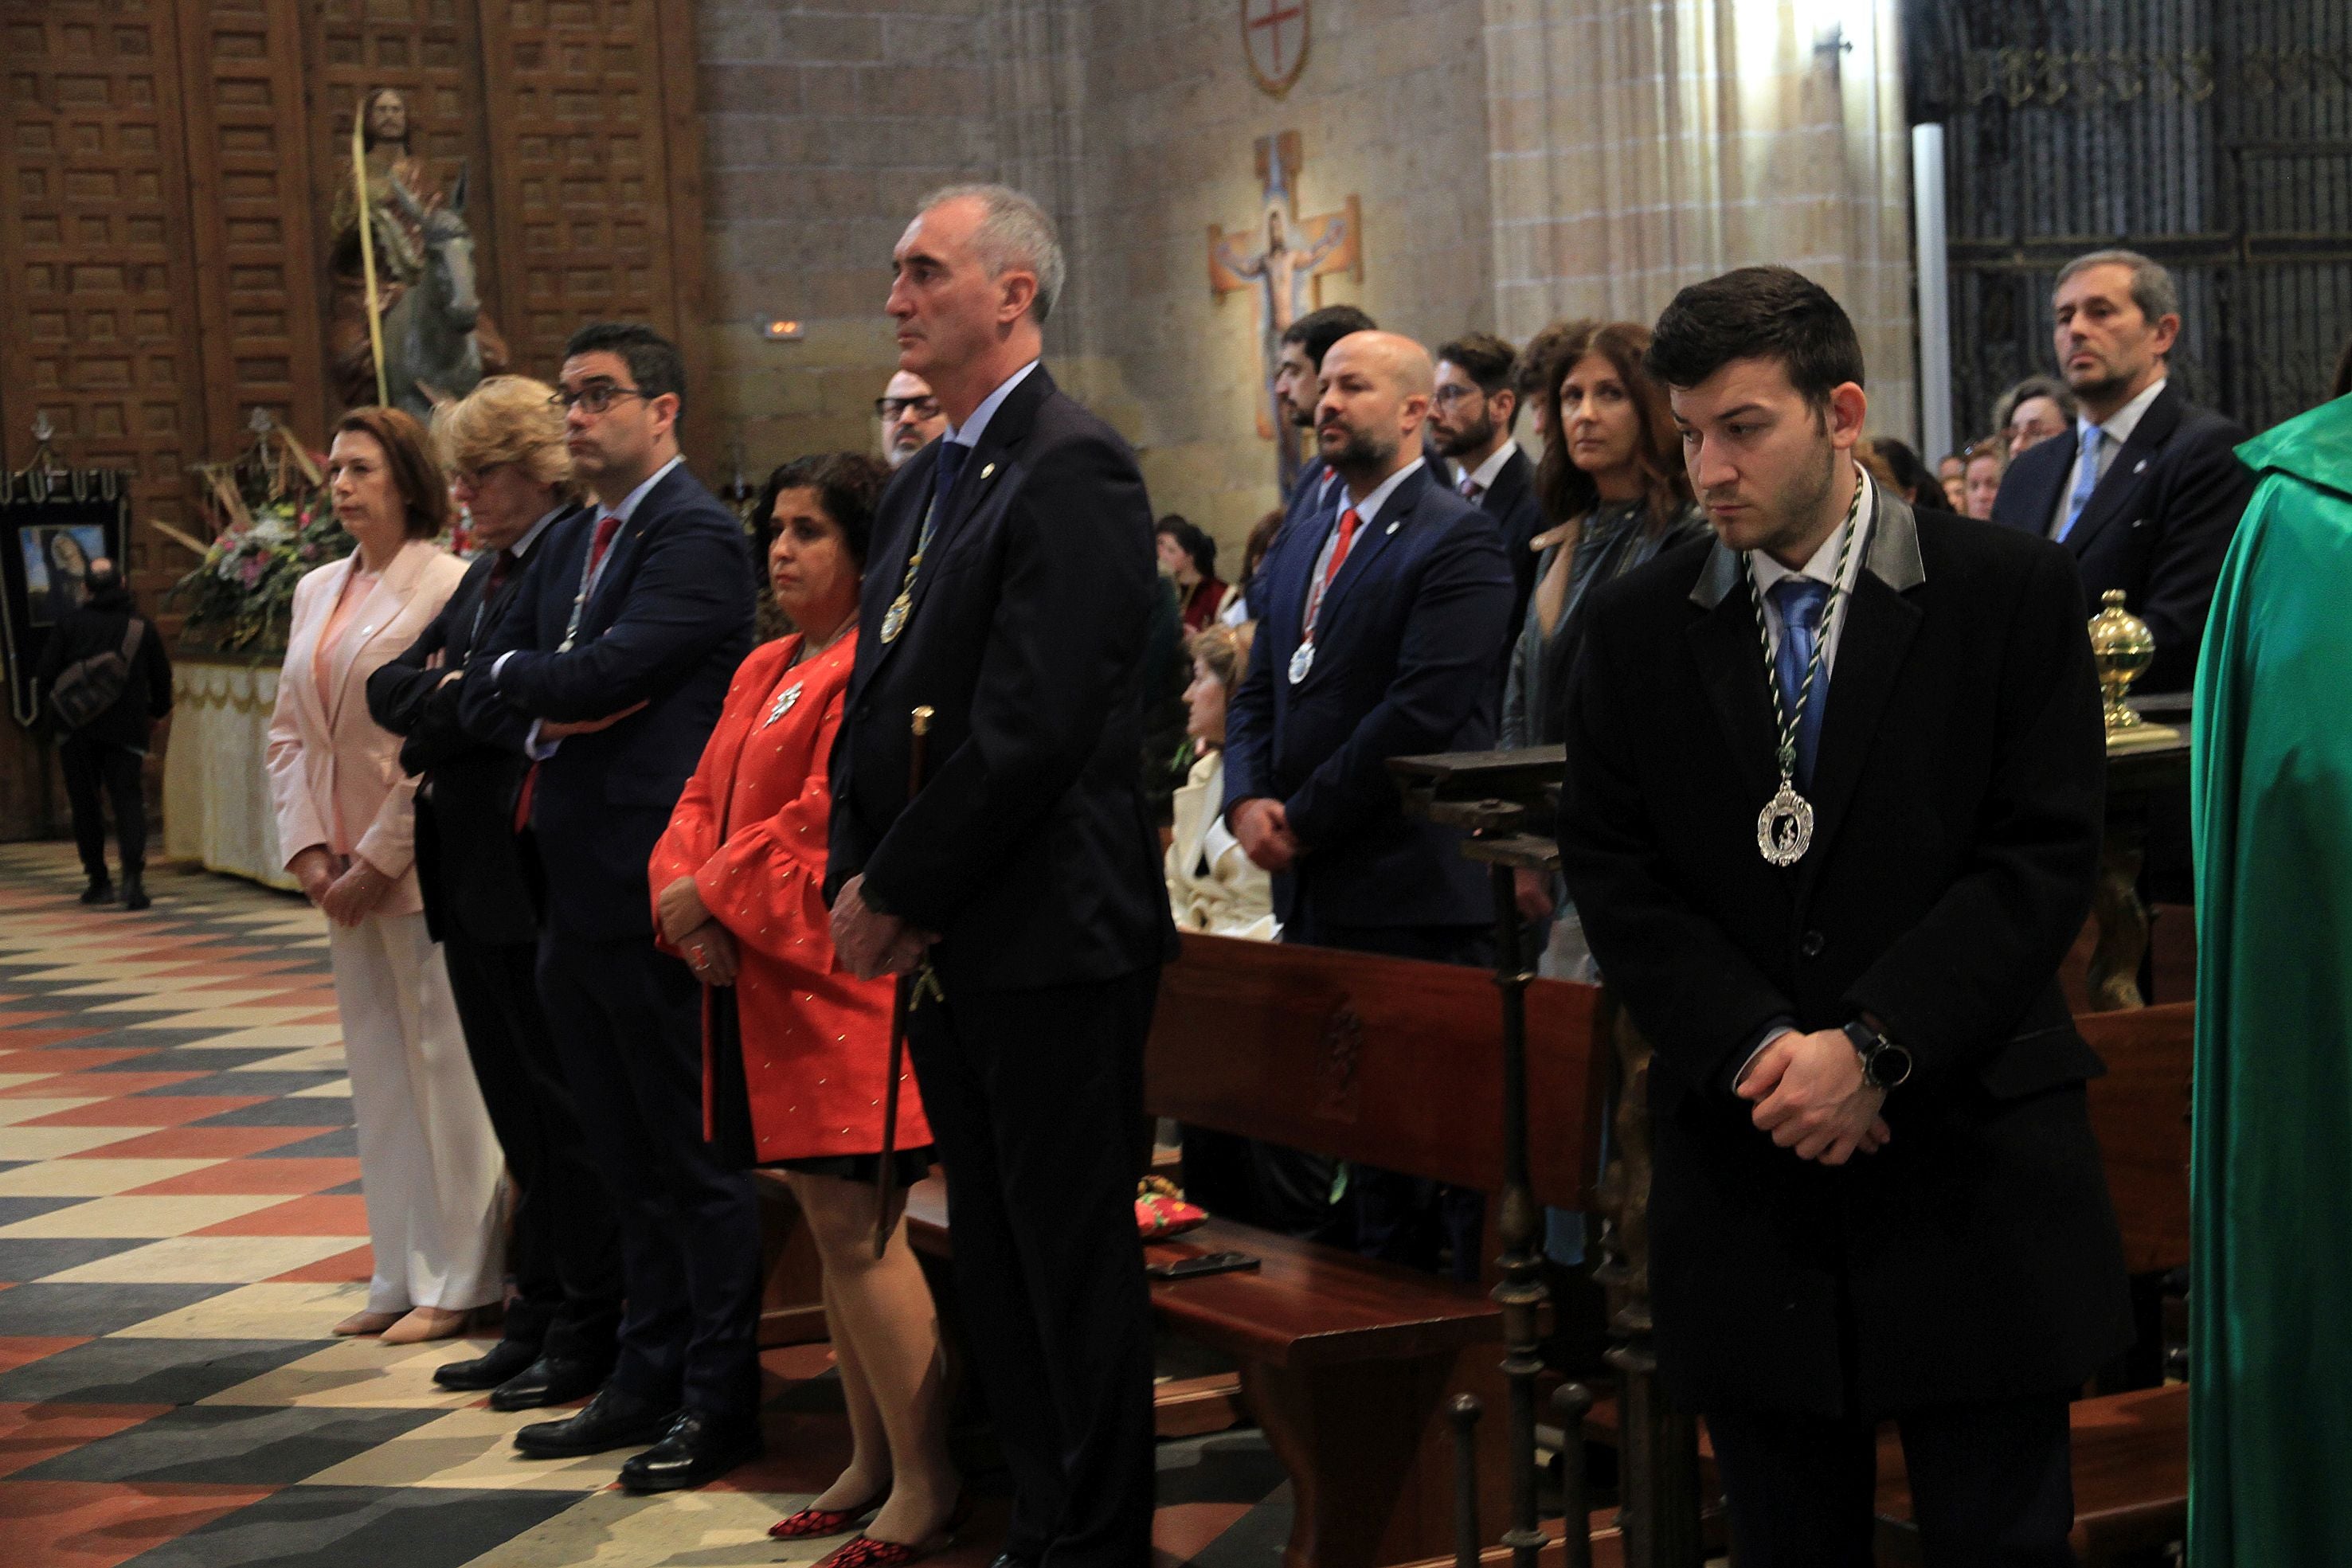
<point>2214,135</point>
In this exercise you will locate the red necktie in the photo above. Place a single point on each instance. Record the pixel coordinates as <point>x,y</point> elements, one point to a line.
<point>1347,521</point>
<point>500,569</point>
<point>606,527</point>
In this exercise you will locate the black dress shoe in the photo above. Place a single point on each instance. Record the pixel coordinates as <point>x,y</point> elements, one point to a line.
<point>615,1419</point>
<point>134,891</point>
<point>505,1359</point>
<point>100,891</point>
<point>549,1380</point>
<point>696,1449</point>
<point>1007,1560</point>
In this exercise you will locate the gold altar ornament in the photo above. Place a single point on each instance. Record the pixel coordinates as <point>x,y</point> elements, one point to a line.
<point>2122,648</point>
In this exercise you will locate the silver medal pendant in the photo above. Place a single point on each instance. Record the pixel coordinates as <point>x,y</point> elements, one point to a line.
<point>784,702</point>
<point>1302,661</point>
<point>1784,827</point>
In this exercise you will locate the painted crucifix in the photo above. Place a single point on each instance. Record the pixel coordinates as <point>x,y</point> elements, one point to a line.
<point>1283,275</point>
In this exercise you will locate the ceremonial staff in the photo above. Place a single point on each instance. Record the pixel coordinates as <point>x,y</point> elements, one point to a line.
<point>909,986</point>
<point>367,247</point>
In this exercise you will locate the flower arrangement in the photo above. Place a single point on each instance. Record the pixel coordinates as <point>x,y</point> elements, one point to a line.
<point>270,522</point>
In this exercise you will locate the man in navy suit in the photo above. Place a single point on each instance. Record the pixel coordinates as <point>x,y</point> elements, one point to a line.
<point>1473,413</point>
<point>1379,637</point>
<point>618,647</point>
<point>2149,490</point>
<point>1008,590</point>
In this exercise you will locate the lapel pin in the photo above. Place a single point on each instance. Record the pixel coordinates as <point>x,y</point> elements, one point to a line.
<point>1395,526</point>
<point>988,468</point>
<point>2141,466</point>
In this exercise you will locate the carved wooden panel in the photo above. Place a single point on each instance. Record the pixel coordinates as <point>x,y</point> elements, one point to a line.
<point>97,315</point>
<point>600,187</point>
<point>257,238</point>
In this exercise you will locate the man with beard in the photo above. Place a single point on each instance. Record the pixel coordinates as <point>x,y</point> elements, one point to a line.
<point>1875,1192</point>
<point>2149,492</point>
<point>1376,639</point>
<point>911,417</point>
<point>1472,414</point>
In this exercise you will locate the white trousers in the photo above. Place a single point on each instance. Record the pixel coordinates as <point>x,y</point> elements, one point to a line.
<point>430,1166</point>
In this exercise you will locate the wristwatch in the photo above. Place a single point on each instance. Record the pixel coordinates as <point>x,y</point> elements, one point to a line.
<point>1885,1064</point>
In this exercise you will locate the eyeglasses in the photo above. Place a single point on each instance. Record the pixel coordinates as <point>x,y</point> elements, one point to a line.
<point>890,408</point>
<point>1447,396</point>
<point>596,397</point>
<point>474,478</point>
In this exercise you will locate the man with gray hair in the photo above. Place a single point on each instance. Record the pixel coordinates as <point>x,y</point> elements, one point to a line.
<point>2149,489</point>
<point>1008,593</point>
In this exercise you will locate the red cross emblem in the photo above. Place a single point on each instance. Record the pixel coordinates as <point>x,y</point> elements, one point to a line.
<point>1273,37</point>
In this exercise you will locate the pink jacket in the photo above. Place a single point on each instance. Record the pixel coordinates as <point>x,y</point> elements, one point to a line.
<point>331,757</point>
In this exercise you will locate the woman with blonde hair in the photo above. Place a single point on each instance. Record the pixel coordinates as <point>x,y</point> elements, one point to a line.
<point>1212,886</point>
<point>502,445</point>
<point>429,1167</point>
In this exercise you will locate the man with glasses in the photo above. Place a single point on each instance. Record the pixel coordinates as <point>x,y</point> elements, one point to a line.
<point>911,417</point>
<point>1471,416</point>
<point>618,648</point>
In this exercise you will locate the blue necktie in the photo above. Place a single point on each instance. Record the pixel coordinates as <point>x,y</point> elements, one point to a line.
<point>1800,599</point>
<point>2086,481</point>
<point>951,457</point>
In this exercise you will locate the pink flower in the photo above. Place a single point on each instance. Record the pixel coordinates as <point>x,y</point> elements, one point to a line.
<point>253,568</point>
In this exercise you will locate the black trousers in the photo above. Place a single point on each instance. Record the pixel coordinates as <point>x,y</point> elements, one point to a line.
<point>1989,1484</point>
<point>628,1022</point>
<point>567,1247</point>
<point>1433,1226</point>
<point>1034,1098</point>
<point>91,767</point>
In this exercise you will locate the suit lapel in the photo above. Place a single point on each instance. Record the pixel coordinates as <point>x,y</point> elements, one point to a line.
<point>1880,625</point>
<point>2129,472</point>
<point>620,557</point>
<point>1373,537</point>
<point>1723,641</point>
<point>374,613</point>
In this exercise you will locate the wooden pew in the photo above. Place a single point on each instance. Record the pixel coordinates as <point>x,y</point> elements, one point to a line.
<point>2131,1450</point>
<point>1346,1363</point>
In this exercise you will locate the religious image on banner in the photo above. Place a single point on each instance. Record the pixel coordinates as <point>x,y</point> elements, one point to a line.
<point>437,342</point>
<point>1281,262</point>
<point>62,520</point>
<point>1274,35</point>
<point>57,565</point>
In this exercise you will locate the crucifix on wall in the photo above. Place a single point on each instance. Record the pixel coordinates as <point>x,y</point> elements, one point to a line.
<point>1281,262</point>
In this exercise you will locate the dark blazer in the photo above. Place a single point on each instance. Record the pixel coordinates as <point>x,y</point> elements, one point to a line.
<point>99,627</point>
<point>670,621</point>
<point>1029,850</point>
<point>2156,527</point>
<point>1510,500</point>
<point>471,866</point>
<point>1958,797</point>
<point>1404,664</point>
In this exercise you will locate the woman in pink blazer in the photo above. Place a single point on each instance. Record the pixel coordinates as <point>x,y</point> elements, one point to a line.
<point>429,1164</point>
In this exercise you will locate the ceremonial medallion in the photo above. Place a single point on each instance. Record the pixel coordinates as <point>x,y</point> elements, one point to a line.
<point>784,701</point>
<point>1784,827</point>
<point>1301,661</point>
<point>894,619</point>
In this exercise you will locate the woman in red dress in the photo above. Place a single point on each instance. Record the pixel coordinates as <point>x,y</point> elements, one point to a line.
<point>795,1051</point>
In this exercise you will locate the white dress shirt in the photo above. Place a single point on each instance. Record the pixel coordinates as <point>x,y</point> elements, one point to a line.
<point>2118,428</point>
<point>1763,571</point>
<point>1483,475</point>
<point>1366,510</point>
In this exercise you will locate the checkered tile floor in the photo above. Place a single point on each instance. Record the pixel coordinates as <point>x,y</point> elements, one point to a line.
<point>181,1220</point>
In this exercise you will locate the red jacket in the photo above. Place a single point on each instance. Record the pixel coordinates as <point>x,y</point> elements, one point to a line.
<point>816,1040</point>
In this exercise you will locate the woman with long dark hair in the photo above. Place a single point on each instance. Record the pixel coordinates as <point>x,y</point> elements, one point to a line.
<point>1614,492</point>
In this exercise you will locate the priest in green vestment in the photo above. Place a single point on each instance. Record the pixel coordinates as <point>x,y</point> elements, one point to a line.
<point>2271,1305</point>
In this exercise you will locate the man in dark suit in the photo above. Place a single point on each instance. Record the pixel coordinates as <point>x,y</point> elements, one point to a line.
<point>2149,490</point>
<point>481,903</point>
<point>1298,387</point>
<point>1377,640</point>
<point>617,649</point>
<point>1876,1194</point>
<point>108,753</point>
<point>1473,411</point>
<point>1009,588</point>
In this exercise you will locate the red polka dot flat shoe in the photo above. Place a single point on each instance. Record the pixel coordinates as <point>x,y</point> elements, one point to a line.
<point>865,1552</point>
<point>815,1521</point>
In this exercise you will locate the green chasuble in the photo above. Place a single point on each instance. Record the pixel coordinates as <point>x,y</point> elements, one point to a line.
<point>2270,1324</point>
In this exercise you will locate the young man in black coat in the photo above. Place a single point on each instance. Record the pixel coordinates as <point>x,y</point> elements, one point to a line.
<point>1876,1192</point>
<point>1472,415</point>
<point>109,752</point>
<point>2147,489</point>
<point>1008,592</point>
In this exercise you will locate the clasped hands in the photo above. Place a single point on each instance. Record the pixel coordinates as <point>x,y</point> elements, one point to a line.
<point>1808,1094</point>
<point>1262,827</point>
<point>869,943</point>
<point>346,891</point>
<point>687,924</point>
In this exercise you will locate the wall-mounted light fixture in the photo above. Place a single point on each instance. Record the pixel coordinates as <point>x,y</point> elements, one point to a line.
<point>781,330</point>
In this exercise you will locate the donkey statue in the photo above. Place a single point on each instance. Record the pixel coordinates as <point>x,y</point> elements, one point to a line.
<point>433,334</point>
